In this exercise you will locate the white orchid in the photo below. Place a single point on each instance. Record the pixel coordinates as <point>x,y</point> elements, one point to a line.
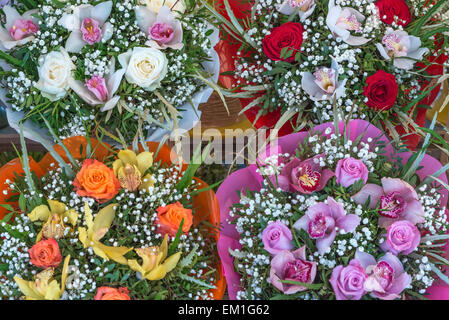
<point>19,29</point>
<point>87,25</point>
<point>405,49</point>
<point>341,21</point>
<point>304,8</point>
<point>100,91</point>
<point>323,84</point>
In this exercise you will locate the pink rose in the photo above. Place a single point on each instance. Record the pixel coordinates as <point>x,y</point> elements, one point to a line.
<point>348,282</point>
<point>277,237</point>
<point>349,171</point>
<point>293,266</point>
<point>402,237</point>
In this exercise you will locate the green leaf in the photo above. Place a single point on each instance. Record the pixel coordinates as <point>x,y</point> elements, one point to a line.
<point>195,280</point>
<point>175,242</point>
<point>7,207</point>
<point>197,159</point>
<point>187,260</point>
<point>22,202</point>
<point>310,286</point>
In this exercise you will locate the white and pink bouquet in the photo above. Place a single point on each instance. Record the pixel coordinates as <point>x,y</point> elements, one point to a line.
<point>378,60</point>
<point>134,68</point>
<point>336,213</point>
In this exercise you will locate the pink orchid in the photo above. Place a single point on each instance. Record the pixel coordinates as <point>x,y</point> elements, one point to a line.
<point>19,29</point>
<point>97,85</point>
<point>163,29</point>
<point>322,221</point>
<point>398,201</point>
<point>305,176</point>
<point>293,266</point>
<point>87,25</point>
<point>100,91</point>
<point>386,277</point>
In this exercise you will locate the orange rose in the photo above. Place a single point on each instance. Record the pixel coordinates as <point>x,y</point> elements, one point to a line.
<point>108,293</point>
<point>96,180</point>
<point>170,218</point>
<point>45,254</point>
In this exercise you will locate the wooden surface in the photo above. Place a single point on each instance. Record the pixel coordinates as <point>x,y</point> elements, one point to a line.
<point>9,137</point>
<point>213,115</point>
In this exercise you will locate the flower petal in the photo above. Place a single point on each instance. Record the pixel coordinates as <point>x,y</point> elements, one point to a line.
<point>102,11</point>
<point>41,213</point>
<point>144,161</point>
<point>145,18</point>
<point>75,42</point>
<point>365,259</point>
<point>57,207</point>
<point>371,191</point>
<point>127,156</point>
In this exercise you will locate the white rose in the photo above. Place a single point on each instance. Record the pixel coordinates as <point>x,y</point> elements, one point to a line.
<point>145,67</point>
<point>155,5</point>
<point>55,70</point>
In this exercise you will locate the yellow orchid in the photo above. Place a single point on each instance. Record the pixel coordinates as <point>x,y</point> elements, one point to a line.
<point>153,266</point>
<point>96,229</point>
<point>44,287</point>
<point>130,170</point>
<point>54,217</point>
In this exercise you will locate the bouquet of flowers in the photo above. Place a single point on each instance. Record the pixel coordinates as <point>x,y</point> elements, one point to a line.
<point>379,60</point>
<point>119,226</point>
<point>336,213</point>
<point>132,68</point>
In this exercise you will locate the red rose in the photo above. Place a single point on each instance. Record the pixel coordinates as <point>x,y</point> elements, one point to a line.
<point>45,254</point>
<point>381,90</point>
<point>389,9</point>
<point>288,35</point>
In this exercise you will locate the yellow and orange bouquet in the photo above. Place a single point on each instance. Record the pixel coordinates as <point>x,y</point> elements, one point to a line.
<point>89,222</point>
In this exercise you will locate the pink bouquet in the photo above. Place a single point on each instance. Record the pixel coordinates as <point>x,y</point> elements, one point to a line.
<point>336,214</point>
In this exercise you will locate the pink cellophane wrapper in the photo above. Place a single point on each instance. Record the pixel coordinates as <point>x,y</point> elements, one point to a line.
<point>249,179</point>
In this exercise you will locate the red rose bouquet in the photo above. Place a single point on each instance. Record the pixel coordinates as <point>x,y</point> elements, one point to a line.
<point>305,60</point>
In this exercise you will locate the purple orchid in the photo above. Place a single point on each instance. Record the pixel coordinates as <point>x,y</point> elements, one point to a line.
<point>163,29</point>
<point>398,201</point>
<point>323,220</point>
<point>386,277</point>
<point>293,266</point>
<point>305,176</point>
